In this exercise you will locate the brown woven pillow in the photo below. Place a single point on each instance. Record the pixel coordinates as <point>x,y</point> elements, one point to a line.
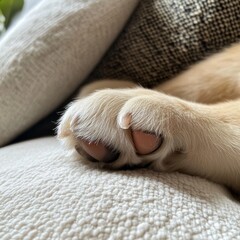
<point>166,36</point>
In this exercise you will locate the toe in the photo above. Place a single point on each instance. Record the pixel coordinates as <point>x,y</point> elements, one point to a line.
<point>96,151</point>
<point>145,143</point>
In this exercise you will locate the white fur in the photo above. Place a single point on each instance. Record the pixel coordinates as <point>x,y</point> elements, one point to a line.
<point>195,140</point>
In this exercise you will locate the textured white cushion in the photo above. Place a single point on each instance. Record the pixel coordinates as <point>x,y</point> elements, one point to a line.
<point>48,54</point>
<point>45,194</point>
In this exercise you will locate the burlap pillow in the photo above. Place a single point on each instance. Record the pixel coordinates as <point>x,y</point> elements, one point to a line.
<point>165,37</point>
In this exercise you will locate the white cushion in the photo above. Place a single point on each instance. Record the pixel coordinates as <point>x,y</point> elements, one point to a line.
<point>48,54</point>
<point>45,194</point>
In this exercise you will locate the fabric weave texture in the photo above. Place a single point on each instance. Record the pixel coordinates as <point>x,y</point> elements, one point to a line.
<point>165,37</point>
<point>46,56</point>
<point>49,195</point>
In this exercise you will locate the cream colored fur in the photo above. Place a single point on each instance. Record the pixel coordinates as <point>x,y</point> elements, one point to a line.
<point>197,114</point>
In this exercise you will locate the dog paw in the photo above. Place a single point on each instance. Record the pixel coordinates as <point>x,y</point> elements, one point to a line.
<point>126,127</point>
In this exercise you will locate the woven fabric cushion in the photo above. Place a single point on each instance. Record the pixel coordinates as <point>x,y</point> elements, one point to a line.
<point>45,57</point>
<point>165,37</point>
<point>46,194</point>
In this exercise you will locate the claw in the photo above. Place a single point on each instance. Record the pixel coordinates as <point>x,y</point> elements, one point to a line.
<point>74,122</point>
<point>125,121</point>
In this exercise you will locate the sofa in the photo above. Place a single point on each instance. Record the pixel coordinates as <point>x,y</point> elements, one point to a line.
<point>47,192</point>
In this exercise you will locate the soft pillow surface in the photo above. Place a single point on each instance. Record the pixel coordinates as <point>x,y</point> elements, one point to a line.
<point>48,54</point>
<point>45,194</point>
<point>164,37</point>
